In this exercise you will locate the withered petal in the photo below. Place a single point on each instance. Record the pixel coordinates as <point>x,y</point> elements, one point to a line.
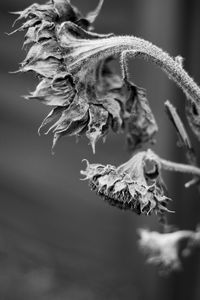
<point>114,109</point>
<point>62,95</point>
<point>42,51</point>
<point>55,113</point>
<point>47,68</point>
<point>77,111</point>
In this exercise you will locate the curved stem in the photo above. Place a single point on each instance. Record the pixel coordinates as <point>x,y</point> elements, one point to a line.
<point>176,167</point>
<point>101,48</point>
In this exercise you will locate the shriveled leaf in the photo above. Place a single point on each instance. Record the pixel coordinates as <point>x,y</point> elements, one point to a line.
<point>98,119</point>
<point>141,124</point>
<point>114,109</point>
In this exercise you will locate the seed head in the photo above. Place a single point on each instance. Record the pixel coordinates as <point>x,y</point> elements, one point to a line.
<point>87,96</point>
<point>136,185</point>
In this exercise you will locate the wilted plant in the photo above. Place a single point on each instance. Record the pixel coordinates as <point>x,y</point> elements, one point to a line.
<point>88,97</point>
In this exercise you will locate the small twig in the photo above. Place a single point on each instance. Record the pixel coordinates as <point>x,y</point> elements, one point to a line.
<point>177,167</point>
<point>181,131</point>
<point>183,138</point>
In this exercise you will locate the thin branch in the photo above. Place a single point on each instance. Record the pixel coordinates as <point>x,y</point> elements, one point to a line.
<point>176,167</point>
<point>183,137</point>
<point>181,131</point>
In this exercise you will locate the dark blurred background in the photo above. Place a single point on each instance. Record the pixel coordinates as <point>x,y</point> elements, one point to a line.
<point>58,240</point>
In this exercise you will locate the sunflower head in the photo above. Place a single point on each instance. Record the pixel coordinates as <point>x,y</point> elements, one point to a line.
<point>86,94</point>
<point>136,185</point>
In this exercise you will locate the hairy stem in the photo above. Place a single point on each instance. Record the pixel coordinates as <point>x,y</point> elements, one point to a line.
<point>102,48</point>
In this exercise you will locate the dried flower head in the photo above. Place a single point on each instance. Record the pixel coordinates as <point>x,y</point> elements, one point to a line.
<point>87,95</point>
<point>136,185</point>
<point>166,249</point>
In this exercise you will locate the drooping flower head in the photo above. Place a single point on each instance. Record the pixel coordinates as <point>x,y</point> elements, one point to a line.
<point>87,96</point>
<point>166,249</point>
<point>136,185</point>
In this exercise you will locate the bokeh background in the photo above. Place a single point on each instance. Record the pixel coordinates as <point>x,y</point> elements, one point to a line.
<point>58,240</point>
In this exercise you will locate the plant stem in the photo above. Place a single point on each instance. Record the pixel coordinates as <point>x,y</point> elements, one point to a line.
<point>101,48</point>
<point>176,167</point>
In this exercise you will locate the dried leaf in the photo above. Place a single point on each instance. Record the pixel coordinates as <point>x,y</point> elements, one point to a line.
<point>141,125</point>
<point>114,109</point>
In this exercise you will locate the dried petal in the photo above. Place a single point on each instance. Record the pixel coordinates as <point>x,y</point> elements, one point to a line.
<point>47,68</point>
<point>43,51</point>
<point>75,112</point>
<point>54,114</point>
<point>57,92</point>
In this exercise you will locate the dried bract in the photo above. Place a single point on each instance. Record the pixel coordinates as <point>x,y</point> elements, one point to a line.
<point>136,185</point>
